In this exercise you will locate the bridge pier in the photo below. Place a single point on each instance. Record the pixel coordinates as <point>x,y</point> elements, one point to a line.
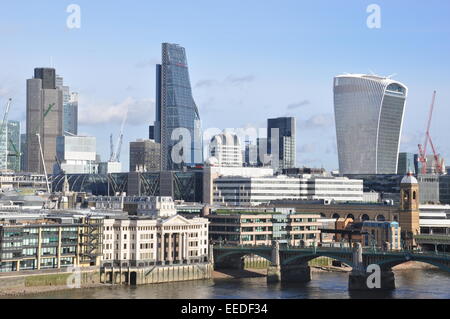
<point>299,273</point>
<point>368,281</point>
<point>231,262</point>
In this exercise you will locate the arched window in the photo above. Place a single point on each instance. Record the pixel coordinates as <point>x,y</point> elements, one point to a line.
<point>365,217</point>
<point>381,218</point>
<point>336,216</point>
<point>351,216</point>
<point>414,195</point>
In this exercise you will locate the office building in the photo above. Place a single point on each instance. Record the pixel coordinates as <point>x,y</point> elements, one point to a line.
<point>109,167</point>
<point>386,235</point>
<point>50,243</point>
<point>250,155</point>
<point>253,191</point>
<point>44,117</point>
<point>281,137</point>
<point>76,155</point>
<point>406,163</point>
<point>176,111</point>
<point>145,156</point>
<point>14,146</point>
<point>243,226</point>
<point>227,149</point>
<point>151,132</point>
<point>429,188</point>
<point>23,150</point>
<point>369,115</point>
<point>444,189</point>
<point>70,107</point>
<point>143,242</point>
<point>263,158</point>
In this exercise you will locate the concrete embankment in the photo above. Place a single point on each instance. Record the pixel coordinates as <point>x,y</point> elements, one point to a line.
<point>23,283</point>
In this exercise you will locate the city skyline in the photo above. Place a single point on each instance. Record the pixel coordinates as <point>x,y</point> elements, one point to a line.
<point>302,90</point>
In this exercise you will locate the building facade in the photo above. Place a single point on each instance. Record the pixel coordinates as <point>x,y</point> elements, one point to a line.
<point>176,111</point>
<point>50,244</point>
<point>227,149</point>
<point>369,117</point>
<point>406,163</point>
<point>386,235</point>
<point>76,155</point>
<point>145,156</point>
<point>70,107</point>
<point>252,191</point>
<point>245,227</point>
<point>142,242</point>
<point>283,132</point>
<point>44,117</point>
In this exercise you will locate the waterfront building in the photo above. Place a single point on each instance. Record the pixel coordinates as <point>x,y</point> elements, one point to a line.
<point>406,163</point>
<point>282,131</point>
<point>176,110</point>
<point>145,156</point>
<point>76,155</point>
<point>143,242</point>
<point>369,115</point>
<point>44,117</point>
<point>243,226</point>
<point>50,243</point>
<point>238,191</point>
<point>435,220</point>
<point>227,149</point>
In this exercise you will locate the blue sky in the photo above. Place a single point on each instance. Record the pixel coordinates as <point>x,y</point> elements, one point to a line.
<point>249,60</point>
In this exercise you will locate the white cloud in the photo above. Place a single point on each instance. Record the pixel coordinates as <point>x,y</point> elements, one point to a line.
<point>94,113</point>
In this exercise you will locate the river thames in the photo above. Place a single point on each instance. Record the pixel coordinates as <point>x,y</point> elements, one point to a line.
<point>411,284</point>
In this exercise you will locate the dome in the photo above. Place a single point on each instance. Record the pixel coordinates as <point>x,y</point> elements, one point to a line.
<point>409,179</point>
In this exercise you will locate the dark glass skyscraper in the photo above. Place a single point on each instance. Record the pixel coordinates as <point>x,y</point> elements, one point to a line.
<point>176,109</point>
<point>286,141</point>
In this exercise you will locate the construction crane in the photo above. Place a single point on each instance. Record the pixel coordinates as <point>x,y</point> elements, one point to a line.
<point>115,154</point>
<point>5,117</point>
<point>423,148</point>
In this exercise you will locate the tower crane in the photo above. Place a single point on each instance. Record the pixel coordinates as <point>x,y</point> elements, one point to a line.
<point>423,148</point>
<point>115,155</point>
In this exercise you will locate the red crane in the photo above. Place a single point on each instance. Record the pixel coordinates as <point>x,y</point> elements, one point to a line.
<point>423,149</point>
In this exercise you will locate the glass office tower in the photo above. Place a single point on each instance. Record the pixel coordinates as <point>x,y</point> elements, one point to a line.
<point>369,115</point>
<point>176,109</point>
<point>286,141</point>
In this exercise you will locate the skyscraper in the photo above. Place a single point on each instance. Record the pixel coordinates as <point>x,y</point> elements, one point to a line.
<point>369,116</point>
<point>44,117</point>
<point>70,107</point>
<point>14,147</point>
<point>145,156</point>
<point>286,152</point>
<point>406,163</point>
<point>176,109</point>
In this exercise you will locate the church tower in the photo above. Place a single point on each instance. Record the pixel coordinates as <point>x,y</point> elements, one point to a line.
<point>409,210</point>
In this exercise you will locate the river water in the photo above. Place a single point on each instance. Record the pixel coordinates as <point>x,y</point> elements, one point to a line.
<point>417,284</point>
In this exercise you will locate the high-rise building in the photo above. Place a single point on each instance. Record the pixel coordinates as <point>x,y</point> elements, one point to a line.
<point>286,136</point>
<point>406,163</point>
<point>14,146</point>
<point>151,132</point>
<point>250,154</point>
<point>227,149</point>
<point>70,107</point>
<point>3,147</point>
<point>23,150</point>
<point>369,115</point>
<point>261,147</point>
<point>76,155</point>
<point>176,111</point>
<point>145,156</point>
<point>44,117</point>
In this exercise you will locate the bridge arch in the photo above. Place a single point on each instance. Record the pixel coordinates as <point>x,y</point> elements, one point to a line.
<point>431,260</point>
<point>308,257</point>
<point>235,253</point>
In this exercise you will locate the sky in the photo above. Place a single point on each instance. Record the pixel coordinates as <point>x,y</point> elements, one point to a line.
<point>248,61</point>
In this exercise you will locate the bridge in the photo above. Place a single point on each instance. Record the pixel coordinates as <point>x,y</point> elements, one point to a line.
<point>290,264</point>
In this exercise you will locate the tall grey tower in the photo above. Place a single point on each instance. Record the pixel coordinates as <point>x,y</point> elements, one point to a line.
<point>369,117</point>
<point>176,111</point>
<point>286,151</point>
<point>44,116</point>
<point>70,107</point>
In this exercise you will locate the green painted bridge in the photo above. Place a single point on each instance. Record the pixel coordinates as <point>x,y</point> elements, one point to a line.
<point>291,263</point>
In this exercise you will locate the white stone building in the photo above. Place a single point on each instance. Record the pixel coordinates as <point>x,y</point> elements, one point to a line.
<point>227,149</point>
